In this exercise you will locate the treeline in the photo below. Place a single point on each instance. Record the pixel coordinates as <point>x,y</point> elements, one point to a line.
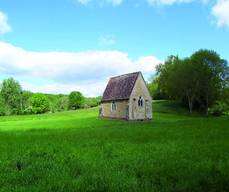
<point>15,101</point>
<point>200,82</point>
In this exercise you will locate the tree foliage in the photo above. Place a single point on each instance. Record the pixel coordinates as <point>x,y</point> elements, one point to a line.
<point>198,81</point>
<point>26,102</point>
<point>75,100</point>
<point>14,100</point>
<point>92,101</point>
<point>40,103</point>
<point>214,74</point>
<point>11,95</point>
<point>63,103</point>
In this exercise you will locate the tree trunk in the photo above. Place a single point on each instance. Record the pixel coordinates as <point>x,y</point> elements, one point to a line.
<point>190,104</point>
<point>207,105</point>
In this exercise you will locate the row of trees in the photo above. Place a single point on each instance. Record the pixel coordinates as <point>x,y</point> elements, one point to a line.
<point>199,81</point>
<point>14,100</point>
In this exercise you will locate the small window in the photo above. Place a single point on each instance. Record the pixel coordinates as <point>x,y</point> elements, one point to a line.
<point>113,106</point>
<point>140,101</point>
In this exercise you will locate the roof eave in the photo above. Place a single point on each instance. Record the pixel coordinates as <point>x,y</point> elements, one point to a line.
<point>110,100</point>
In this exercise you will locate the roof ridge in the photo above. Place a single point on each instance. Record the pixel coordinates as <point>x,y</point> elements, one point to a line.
<point>126,74</point>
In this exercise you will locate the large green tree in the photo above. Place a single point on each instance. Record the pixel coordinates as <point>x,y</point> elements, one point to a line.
<point>163,76</point>
<point>197,80</point>
<point>75,100</point>
<point>11,94</point>
<point>40,103</point>
<point>213,75</point>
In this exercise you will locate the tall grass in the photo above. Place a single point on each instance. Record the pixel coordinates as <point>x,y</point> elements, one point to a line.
<point>77,151</point>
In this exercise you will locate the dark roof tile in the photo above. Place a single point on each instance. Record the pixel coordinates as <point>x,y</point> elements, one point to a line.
<point>120,87</point>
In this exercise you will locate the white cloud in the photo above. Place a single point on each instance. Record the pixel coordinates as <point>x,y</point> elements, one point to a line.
<point>85,71</point>
<point>147,63</point>
<point>88,89</point>
<point>136,4</point>
<point>101,2</point>
<point>4,26</point>
<point>115,2</point>
<point>84,2</point>
<point>106,40</point>
<point>221,11</point>
<point>167,2</point>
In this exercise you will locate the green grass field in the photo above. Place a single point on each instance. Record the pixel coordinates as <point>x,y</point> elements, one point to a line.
<point>77,151</point>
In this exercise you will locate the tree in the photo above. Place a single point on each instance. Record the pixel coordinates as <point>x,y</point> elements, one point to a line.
<point>75,100</point>
<point>26,102</point>
<point>11,94</point>
<point>2,107</point>
<point>92,101</point>
<point>213,74</point>
<point>155,93</point>
<point>63,103</point>
<point>185,81</point>
<point>197,81</point>
<point>164,75</point>
<point>40,103</point>
<point>177,79</point>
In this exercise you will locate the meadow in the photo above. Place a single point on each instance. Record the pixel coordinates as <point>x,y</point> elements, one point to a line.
<point>78,151</point>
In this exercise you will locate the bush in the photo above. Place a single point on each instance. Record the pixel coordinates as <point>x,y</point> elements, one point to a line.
<point>75,100</point>
<point>220,108</point>
<point>155,92</point>
<point>28,110</point>
<point>92,102</point>
<point>63,103</point>
<point>26,102</point>
<point>40,103</point>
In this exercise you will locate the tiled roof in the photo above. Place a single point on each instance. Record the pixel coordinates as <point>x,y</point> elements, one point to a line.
<point>120,87</point>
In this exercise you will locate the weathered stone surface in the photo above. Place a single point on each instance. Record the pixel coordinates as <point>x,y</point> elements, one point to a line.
<point>140,90</point>
<point>120,113</point>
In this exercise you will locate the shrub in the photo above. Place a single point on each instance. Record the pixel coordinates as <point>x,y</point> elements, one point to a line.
<point>40,103</point>
<point>75,100</point>
<point>92,102</point>
<point>63,103</point>
<point>28,110</point>
<point>219,109</point>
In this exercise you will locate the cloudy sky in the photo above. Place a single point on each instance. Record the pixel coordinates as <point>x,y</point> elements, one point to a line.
<point>57,46</point>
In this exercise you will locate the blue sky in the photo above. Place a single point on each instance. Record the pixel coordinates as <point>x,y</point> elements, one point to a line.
<point>62,45</point>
